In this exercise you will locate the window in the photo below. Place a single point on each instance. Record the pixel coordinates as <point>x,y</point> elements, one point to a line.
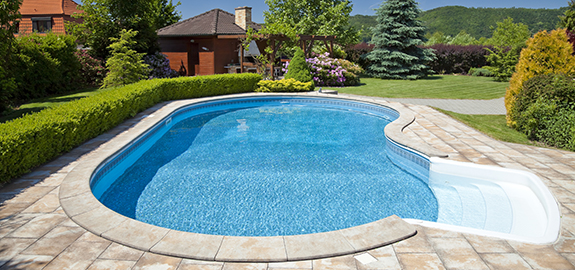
<point>41,24</point>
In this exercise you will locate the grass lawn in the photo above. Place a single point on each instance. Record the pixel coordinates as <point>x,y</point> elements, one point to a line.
<point>493,125</point>
<point>439,86</point>
<point>43,103</point>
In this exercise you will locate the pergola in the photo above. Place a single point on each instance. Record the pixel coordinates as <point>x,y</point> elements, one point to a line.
<point>306,43</point>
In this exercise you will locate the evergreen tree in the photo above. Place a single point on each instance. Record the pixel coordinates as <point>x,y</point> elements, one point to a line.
<point>298,68</point>
<point>396,37</point>
<point>125,65</point>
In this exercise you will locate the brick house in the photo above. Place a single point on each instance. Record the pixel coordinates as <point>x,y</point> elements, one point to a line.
<point>208,43</point>
<point>45,15</point>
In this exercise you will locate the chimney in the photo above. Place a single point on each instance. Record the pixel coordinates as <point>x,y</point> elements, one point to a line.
<point>243,17</point>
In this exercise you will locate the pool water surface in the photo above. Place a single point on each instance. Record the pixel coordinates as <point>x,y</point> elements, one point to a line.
<point>269,170</point>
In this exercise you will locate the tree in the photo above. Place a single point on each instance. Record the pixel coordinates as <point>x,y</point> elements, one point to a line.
<point>168,13</point>
<point>125,65</point>
<point>310,17</point>
<point>298,68</point>
<point>545,53</point>
<point>509,39</point>
<point>103,19</point>
<point>9,14</point>
<point>397,37</point>
<point>568,19</point>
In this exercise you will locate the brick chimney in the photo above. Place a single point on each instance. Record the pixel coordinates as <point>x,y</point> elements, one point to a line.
<point>243,17</point>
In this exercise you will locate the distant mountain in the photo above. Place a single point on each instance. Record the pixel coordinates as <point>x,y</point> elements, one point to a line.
<point>475,21</point>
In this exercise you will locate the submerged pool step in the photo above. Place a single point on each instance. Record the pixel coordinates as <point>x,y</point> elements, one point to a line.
<point>474,204</point>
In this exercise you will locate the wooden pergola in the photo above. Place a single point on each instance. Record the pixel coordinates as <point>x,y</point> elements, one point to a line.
<point>306,43</point>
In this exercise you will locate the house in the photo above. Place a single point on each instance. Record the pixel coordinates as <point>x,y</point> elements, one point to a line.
<point>208,43</point>
<point>46,15</point>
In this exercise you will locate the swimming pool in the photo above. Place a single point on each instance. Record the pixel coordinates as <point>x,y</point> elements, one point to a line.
<point>80,204</point>
<point>265,167</point>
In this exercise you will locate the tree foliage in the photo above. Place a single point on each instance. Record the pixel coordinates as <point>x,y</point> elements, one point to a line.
<point>568,19</point>
<point>310,17</point>
<point>509,39</point>
<point>397,38</point>
<point>545,53</point>
<point>8,15</point>
<point>510,34</point>
<point>125,66</point>
<point>103,19</point>
<point>298,68</point>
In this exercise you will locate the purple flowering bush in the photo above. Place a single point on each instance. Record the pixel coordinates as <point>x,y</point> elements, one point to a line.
<point>159,66</point>
<point>92,71</point>
<point>327,71</point>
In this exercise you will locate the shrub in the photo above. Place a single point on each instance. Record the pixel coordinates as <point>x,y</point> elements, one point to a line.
<point>36,138</point>
<point>357,54</point>
<point>159,66</point>
<point>299,70</point>
<point>333,72</point>
<point>125,65</point>
<point>285,85</point>
<point>458,58</point>
<point>45,65</point>
<point>502,61</point>
<point>545,110</point>
<point>480,72</point>
<point>92,71</point>
<point>545,53</point>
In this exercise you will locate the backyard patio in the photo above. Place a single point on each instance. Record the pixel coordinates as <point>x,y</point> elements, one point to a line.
<point>35,232</point>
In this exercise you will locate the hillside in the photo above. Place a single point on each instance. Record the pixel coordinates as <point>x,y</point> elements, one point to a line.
<point>476,21</point>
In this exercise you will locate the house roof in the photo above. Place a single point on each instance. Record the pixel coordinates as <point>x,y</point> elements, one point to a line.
<point>213,22</point>
<point>48,7</point>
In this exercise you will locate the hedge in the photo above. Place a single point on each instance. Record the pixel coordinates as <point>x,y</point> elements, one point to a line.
<point>285,85</point>
<point>458,58</point>
<point>34,139</point>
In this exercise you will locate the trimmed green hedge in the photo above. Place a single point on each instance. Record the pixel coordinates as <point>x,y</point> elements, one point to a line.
<point>34,139</point>
<point>285,85</point>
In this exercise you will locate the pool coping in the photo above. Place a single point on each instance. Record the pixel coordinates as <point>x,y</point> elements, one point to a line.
<point>82,207</point>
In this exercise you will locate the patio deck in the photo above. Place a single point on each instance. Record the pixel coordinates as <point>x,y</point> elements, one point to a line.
<point>35,233</point>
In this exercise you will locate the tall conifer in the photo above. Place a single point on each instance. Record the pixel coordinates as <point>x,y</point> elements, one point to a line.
<point>396,37</point>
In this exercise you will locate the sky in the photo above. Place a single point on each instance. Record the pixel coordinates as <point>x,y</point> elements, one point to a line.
<point>190,8</point>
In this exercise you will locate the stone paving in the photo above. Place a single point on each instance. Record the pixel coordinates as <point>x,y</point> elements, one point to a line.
<point>35,233</point>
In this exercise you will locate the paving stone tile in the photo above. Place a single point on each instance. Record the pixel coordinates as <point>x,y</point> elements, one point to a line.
<point>155,261</point>
<point>564,245</point>
<point>136,234</point>
<point>53,180</point>
<point>505,261</point>
<point>54,241</point>
<point>343,262</point>
<point>483,244</point>
<point>90,237</point>
<point>111,265</point>
<point>10,247</point>
<point>28,262</point>
<point>7,226</point>
<point>191,245</point>
<point>79,255</point>
<point>119,252</point>
<point>18,186</point>
<point>11,209</point>
<point>291,265</point>
<point>457,253</point>
<point>47,204</point>
<point>415,244</point>
<point>81,203</point>
<point>382,232</point>
<point>188,264</point>
<point>245,266</point>
<point>93,220</point>
<point>254,249</point>
<point>386,259</point>
<point>434,232</point>
<point>541,256</point>
<point>30,195</point>
<point>38,226</point>
<point>570,257</point>
<point>562,195</point>
<point>309,246</point>
<point>420,261</point>
<point>568,222</point>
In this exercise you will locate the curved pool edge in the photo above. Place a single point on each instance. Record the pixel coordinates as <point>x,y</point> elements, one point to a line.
<point>82,207</point>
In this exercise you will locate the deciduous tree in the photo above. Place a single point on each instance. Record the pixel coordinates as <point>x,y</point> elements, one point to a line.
<point>9,14</point>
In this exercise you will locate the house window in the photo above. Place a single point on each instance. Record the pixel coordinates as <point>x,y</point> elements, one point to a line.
<point>41,24</point>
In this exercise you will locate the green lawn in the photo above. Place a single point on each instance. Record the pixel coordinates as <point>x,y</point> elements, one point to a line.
<point>440,86</point>
<point>493,125</point>
<point>40,104</point>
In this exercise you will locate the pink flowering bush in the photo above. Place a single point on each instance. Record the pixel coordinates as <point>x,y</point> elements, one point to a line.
<point>327,71</point>
<point>92,70</point>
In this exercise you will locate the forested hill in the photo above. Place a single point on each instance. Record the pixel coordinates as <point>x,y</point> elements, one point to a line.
<point>475,21</point>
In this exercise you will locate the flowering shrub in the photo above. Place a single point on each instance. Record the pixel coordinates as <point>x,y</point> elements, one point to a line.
<point>327,71</point>
<point>92,70</point>
<point>159,66</point>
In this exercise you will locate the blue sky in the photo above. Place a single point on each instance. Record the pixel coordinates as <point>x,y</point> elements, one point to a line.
<point>192,8</point>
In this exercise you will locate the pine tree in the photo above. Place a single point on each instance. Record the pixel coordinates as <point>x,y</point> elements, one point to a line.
<point>298,68</point>
<point>396,37</point>
<point>126,65</point>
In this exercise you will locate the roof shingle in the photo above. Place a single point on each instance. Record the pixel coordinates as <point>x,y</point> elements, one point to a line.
<point>213,22</point>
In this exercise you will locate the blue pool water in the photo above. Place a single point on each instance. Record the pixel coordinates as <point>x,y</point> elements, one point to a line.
<point>267,170</point>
